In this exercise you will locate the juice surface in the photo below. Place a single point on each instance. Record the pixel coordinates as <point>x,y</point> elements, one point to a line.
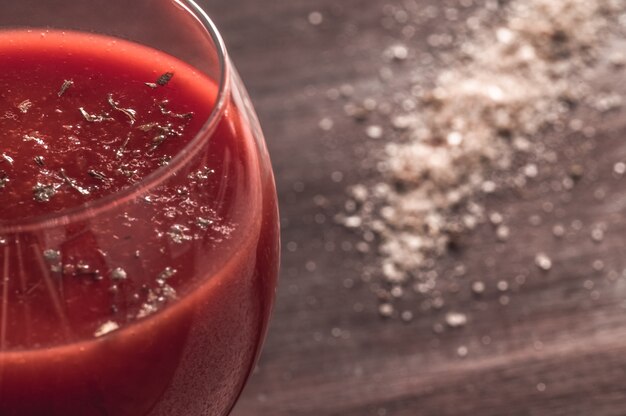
<point>165,297</point>
<point>86,116</point>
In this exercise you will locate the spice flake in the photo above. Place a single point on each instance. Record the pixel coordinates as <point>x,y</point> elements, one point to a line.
<point>120,152</point>
<point>166,112</point>
<point>66,85</point>
<point>33,138</point>
<point>73,184</point>
<point>8,158</point>
<point>92,118</point>
<point>165,79</point>
<point>97,175</point>
<point>128,112</point>
<point>24,106</point>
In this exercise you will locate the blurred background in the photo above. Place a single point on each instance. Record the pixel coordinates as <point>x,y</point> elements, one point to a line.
<point>520,312</point>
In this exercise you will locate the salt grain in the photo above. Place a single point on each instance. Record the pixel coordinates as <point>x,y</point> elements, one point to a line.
<point>315,18</point>
<point>455,319</point>
<point>407,316</point>
<point>598,265</point>
<point>558,231</point>
<point>478,288</point>
<point>503,233</point>
<point>531,170</point>
<point>346,90</point>
<point>374,132</point>
<point>336,176</point>
<point>438,328</point>
<point>397,52</point>
<point>597,234</point>
<point>401,122</point>
<point>326,124</point>
<point>353,222</point>
<point>489,187</point>
<point>385,310</point>
<point>543,261</point>
<point>496,218</point>
<point>462,351</point>
<point>454,138</point>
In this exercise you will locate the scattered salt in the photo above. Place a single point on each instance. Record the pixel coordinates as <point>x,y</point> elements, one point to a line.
<point>464,137</point>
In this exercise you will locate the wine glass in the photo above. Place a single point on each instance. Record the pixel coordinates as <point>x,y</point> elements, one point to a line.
<point>154,299</point>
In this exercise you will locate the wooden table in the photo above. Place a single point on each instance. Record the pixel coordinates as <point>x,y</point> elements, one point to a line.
<point>557,348</point>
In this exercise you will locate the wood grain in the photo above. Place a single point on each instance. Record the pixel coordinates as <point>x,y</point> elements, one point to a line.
<point>556,348</point>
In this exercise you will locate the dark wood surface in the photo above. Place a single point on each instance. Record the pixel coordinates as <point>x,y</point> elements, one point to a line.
<point>557,348</point>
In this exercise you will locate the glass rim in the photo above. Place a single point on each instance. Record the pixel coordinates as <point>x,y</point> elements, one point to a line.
<point>153,179</point>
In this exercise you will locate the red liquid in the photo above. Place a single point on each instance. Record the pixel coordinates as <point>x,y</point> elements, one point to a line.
<point>158,304</point>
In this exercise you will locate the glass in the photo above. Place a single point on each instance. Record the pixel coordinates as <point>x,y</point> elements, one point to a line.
<point>151,354</point>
